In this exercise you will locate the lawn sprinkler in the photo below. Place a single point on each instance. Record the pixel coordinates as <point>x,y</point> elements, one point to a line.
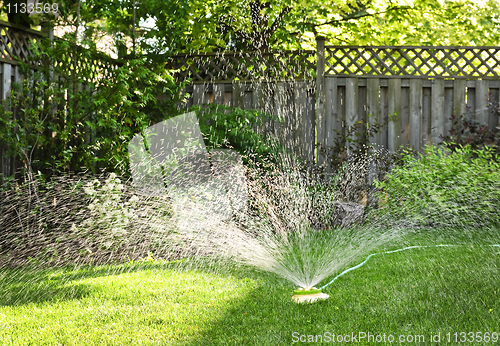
<point>308,295</point>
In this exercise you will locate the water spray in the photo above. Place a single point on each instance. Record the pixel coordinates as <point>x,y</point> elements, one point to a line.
<point>313,294</point>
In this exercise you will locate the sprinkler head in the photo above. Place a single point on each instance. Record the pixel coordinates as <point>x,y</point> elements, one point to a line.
<point>308,295</point>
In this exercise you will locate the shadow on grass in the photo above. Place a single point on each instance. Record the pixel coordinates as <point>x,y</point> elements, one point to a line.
<point>25,285</point>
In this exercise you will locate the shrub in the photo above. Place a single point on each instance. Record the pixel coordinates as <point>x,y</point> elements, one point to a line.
<point>467,131</point>
<point>234,128</point>
<point>443,188</point>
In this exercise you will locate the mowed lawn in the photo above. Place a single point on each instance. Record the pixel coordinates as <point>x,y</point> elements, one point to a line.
<point>415,295</point>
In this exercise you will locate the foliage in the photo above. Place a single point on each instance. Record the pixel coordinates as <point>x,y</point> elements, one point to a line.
<point>352,143</point>
<point>193,26</point>
<point>261,25</point>
<point>468,131</point>
<point>235,128</point>
<point>443,188</point>
<point>84,125</point>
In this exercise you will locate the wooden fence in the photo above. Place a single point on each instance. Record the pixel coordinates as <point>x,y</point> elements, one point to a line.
<point>420,88</point>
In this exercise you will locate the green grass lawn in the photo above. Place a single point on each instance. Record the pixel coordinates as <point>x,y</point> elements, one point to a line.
<point>412,293</point>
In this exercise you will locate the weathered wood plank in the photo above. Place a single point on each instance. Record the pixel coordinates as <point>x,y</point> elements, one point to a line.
<point>416,114</point>
<point>384,112</point>
<point>238,95</point>
<point>394,129</point>
<point>471,101</point>
<point>228,98</point>
<point>437,110</point>
<point>351,105</point>
<point>426,116</point>
<point>280,111</point>
<point>247,100</point>
<point>199,94</point>
<point>448,110</point>
<point>218,90</point>
<point>330,122</point>
<point>300,121</point>
<point>494,119</point>
<point>289,114</point>
<point>362,113</point>
<point>310,122</point>
<point>459,106</point>
<point>257,103</point>
<point>373,106</point>
<point>405,113</point>
<point>481,111</point>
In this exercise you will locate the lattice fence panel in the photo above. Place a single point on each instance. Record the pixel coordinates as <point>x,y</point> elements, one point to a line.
<point>89,67</point>
<point>244,66</point>
<point>413,61</point>
<point>16,43</point>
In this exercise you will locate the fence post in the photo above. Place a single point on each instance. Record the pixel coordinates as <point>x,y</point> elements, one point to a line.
<point>320,94</point>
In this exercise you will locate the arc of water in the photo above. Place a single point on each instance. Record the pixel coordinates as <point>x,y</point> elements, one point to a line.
<point>389,252</point>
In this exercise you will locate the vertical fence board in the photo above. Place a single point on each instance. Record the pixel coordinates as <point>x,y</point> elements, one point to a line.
<point>351,104</point>
<point>426,116</point>
<point>218,93</point>
<point>405,113</point>
<point>299,123</point>
<point>247,100</point>
<point>373,106</point>
<point>268,106</point>
<point>6,80</point>
<point>415,120</point>
<point>384,112</point>
<point>199,94</point>
<point>238,95</point>
<point>329,122</point>
<point>448,110</point>
<point>471,102</point>
<point>280,104</point>
<point>481,111</point>
<point>257,103</point>
<point>437,110</point>
<point>494,118</point>
<point>290,126</point>
<point>228,98</point>
<point>394,108</point>
<point>459,109</point>
<point>310,123</point>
